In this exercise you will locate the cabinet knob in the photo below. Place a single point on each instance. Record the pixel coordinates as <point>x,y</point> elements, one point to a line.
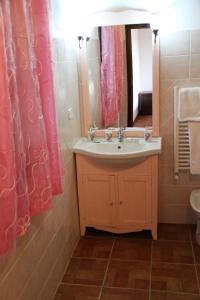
<point>111,203</point>
<point>120,203</point>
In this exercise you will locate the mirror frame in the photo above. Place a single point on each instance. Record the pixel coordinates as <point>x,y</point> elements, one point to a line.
<point>84,93</point>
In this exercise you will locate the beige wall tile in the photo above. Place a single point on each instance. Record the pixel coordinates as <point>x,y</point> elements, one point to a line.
<point>93,48</point>
<point>176,67</point>
<point>162,67</point>
<point>178,214</point>
<point>195,66</point>
<point>63,50</point>
<point>195,42</point>
<point>162,44</point>
<point>178,43</point>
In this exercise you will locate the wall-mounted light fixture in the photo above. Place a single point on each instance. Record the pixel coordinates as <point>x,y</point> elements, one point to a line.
<point>155,24</point>
<point>81,39</point>
<point>155,32</point>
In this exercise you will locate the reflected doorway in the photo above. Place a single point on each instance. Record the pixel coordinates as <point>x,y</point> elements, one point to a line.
<point>139,74</point>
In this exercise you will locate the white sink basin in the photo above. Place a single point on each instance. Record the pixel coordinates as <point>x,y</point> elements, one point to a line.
<point>130,148</point>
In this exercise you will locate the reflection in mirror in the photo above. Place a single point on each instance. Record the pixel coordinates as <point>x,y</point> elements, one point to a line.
<point>119,60</point>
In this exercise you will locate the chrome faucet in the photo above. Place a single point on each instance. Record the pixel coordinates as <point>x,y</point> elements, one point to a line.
<point>120,134</point>
<point>91,134</point>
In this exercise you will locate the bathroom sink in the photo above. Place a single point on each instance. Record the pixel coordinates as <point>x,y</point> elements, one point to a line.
<point>115,151</point>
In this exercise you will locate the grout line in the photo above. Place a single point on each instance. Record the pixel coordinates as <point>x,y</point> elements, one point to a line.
<point>175,241</point>
<point>173,263</point>
<point>190,58</point>
<point>106,272</point>
<point>79,284</point>
<point>174,292</point>
<point>195,264</point>
<point>89,258</point>
<point>151,264</point>
<point>181,55</point>
<point>134,260</point>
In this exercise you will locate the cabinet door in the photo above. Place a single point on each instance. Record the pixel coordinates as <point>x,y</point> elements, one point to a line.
<point>99,200</point>
<point>134,201</point>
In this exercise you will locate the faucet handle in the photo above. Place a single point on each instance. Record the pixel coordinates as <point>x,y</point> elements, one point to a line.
<point>91,134</point>
<point>120,133</point>
<point>108,134</point>
<point>122,128</point>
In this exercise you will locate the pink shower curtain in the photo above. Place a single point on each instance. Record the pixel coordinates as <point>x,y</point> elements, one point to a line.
<point>111,73</point>
<point>30,163</point>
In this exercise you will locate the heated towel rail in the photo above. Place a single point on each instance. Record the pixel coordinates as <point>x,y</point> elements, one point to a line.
<point>181,140</point>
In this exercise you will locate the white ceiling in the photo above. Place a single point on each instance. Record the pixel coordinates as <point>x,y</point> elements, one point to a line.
<point>95,6</point>
<point>174,14</point>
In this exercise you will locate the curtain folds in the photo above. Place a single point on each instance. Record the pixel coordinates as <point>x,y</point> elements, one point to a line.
<point>30,164</point>
<point>111,73</point>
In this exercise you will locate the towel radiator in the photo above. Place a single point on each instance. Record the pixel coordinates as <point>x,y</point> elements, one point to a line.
<point>181,141</point>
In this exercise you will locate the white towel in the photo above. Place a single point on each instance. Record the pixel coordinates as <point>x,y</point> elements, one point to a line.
<point>189,104</point>
<point>194,141</point>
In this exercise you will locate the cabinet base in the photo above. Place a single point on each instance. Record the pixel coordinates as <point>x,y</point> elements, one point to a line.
<point>121,230</point>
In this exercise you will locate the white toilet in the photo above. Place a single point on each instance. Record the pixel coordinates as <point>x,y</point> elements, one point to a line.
<point>195,204</point>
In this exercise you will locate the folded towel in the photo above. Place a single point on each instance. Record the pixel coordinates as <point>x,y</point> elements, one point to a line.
<point>194,141</point>
<point>189,104</point>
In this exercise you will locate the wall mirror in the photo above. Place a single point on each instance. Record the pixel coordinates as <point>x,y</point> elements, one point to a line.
<point>134,61</point>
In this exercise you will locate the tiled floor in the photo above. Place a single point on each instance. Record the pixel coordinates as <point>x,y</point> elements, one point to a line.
<point>133,267</point>
<point>142,121</point>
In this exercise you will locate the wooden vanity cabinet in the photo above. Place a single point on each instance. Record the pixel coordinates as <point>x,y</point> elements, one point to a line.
<point>121,198</point>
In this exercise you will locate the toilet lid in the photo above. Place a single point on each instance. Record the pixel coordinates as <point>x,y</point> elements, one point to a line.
<point>195,200</point>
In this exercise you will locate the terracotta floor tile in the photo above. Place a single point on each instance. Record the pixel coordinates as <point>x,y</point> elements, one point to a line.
<point>174,277</point>
<point>94,247</point>
<point>143,120</point>
<point>123,294</point>
<point>128,274</point>
<point>78,292</point>
<point>176,232</point>
<point>131,249</point>
<point>85,271</point>
<point>178,252</point>
<point>155,295</point>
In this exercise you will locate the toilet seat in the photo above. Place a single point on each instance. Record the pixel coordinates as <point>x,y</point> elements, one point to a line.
<point>195,200</point>
<point>195,204</point>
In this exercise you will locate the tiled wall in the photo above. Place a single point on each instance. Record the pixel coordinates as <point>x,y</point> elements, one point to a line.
<point>179,66</point>
<point>34,269</point>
